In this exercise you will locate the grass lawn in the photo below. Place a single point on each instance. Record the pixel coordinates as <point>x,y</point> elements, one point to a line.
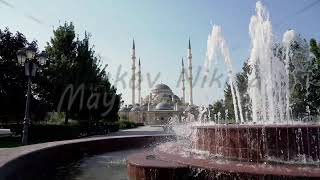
<point>8,142</point>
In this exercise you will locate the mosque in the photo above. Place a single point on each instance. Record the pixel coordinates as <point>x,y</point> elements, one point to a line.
<point>161,103</point>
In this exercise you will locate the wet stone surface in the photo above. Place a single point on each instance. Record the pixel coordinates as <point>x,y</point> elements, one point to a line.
<point>169,166</point>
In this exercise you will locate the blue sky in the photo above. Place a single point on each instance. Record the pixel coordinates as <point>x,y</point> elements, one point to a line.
<point>161,30</point>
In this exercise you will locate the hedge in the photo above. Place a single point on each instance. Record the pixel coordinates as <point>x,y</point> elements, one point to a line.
<point>53,132</point>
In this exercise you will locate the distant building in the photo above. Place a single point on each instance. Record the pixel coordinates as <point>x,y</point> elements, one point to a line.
<point>161,103</point>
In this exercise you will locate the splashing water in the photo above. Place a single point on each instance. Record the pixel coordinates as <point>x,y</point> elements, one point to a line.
<point>288,39</point>
<point>269,93</point>
<point>216,43</point>
<point>186,132</point>
<point>299,57</point>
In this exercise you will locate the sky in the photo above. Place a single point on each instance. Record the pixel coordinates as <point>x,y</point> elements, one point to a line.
<point>161,30</point>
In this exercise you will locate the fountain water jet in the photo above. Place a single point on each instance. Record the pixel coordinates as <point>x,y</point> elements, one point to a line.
<point>216,43</point>
<point>267,71</point>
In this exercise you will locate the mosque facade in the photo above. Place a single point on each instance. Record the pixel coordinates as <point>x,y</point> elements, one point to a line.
<point>161,103</point>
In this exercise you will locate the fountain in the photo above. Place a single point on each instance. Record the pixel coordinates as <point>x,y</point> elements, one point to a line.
<point>270,144</point>
<point>217,43</point>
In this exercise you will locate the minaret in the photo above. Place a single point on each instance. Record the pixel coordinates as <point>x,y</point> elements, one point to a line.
<point>183,80</point>
<point>139,83</point>
<point>190,73</point>
<point>133,78</point>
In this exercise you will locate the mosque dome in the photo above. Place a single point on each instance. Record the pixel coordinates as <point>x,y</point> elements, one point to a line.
<point>161,93</point>
<point>164,106</point>
<point>163,97</point>
<point>162,86</point>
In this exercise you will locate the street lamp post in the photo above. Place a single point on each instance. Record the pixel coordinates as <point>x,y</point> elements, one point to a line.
<point>27,57</point>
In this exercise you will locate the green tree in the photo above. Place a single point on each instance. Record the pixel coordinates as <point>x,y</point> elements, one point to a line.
<point>298,100</point>
<point>218,107</point>
<point>298,77</point>
<point>12,79</point>
<point>74,63</point>
<point>315,49</point>
<point>98,90</point>
<point>61,50</point>
<point>313,96</point>
<point>228,103</point>
<point>242,83</point>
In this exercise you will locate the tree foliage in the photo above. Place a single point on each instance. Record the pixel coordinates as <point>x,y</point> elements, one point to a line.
<point>12,79</point>
<point>299,70</point>
<point>73,62</point>
<point>313,95</point>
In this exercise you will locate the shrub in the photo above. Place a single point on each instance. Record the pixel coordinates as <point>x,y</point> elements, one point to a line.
<point>45,132</point>
<point>99,128</point>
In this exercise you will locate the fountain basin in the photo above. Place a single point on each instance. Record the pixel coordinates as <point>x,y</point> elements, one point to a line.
<point>35,161</point>
<point>169,166</point>
<point>262,143</point>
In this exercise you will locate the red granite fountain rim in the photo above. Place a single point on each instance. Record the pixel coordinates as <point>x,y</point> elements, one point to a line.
<point>258,126</point>
<point>9,154</point>
<point>228,166</point>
